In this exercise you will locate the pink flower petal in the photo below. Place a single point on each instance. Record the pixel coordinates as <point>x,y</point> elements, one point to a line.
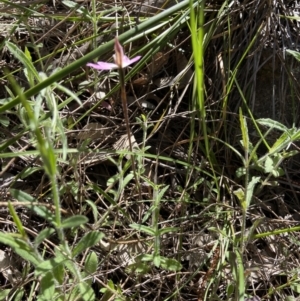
<point>103,66</point>
<point>121,60</point>
<point>119,53</point>
<point>126,61</point>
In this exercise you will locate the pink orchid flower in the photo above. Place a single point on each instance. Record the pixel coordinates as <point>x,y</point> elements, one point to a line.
<point>121,60</point>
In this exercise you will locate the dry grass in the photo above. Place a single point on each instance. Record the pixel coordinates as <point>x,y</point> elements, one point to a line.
<point>245,58</point>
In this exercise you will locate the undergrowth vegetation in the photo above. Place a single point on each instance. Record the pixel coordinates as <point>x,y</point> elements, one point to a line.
<point>170,176</point>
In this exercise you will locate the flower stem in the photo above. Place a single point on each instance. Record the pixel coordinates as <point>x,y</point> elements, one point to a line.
<point>126,117</point>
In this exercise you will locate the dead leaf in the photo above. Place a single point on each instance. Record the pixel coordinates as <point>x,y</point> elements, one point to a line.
<point>182,68</point>
<point>94,131</point>
<point>8,269</point>
<point>157,63</point>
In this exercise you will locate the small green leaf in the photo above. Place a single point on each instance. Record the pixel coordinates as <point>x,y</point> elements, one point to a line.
<point>74,221</point>
<point>244,130</point>
<point>253,154</point>
<point>107,291</point>
<point>230,289</point>
<point>42,211</point>
<point>295,54</point>
<point>47,287</point>
<point>240,194</point>
<point>278,172</point>
<point>29,171</point>
<point>4,293</point>
<point>86,292</point>
<point>21,196</point>
<point>143,228</point>
<point>167,230</point>
<point>91,263</point>
<point>280,143</point>
<point>126,180</point>
<point>295,287</point>
<point>29,75</point>
<point>269,164</point>
<point>21,247</point>
<point>87,241</point>
<point>23,58</point>
<point>61,257</point>
<point>170,264</point>
<point>148,213</point>
<point>94,210</point>
<point>19,294</point>
<point>289,154</point>
<point>49,265</point>
<point>250,190</point>
<point>162,193</point>
<point>59,273</point>
<point>72,267</point>
<point>273,124</point>
<point>5,121</point>
<point>232,261</point>
<point>111,284</point>
<point>290,298</point>
<point>138,267</point>
<point>156,260</point>
<point>70,4</point>
<point>17,221</point>
<point>44,234</point>
<point>75,294</point>
<point>90,267</point>
<point>252,229</point>
<point>112,180</point>
<point>240,277</point>
<point>146,257</point>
